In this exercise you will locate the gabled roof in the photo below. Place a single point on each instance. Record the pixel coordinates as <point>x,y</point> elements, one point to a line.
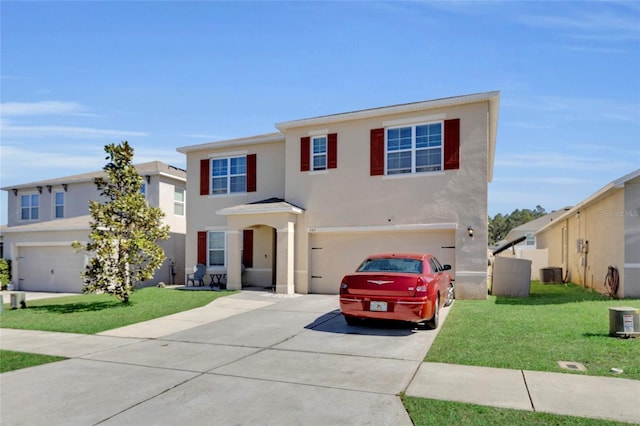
<point>535,224</point>
<point>77,223</point>
<point>603,192</point>
<point>151,168</point>
<point>250,140</point>
<point>271,205</point>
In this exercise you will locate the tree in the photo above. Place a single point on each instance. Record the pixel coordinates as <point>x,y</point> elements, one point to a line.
<point>124,230</point>
<point>500,225</point>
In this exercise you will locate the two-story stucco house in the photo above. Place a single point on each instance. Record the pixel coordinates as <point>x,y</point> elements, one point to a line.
<point>45,217</point>
<point>299,208</point>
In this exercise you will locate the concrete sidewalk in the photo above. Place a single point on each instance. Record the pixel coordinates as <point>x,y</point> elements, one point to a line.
<point>257,358</point>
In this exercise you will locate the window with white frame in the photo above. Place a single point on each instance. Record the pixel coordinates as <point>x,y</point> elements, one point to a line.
<point>531,239</point>
<point>414,149</point>
<point>319,152</point>
<point>217,246</point>
<point>178,201</point>
<point>228,175</point>
<point>58,199</point>
<point>30,207</point>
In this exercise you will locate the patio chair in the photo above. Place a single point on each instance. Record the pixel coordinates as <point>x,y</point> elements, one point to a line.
<point>197,276</point>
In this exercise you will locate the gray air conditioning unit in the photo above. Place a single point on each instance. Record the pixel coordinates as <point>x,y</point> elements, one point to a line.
<point>624,322</point>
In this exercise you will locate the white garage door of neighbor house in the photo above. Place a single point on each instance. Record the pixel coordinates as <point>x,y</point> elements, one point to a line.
<point>336,255</point>
<point>50,268</point>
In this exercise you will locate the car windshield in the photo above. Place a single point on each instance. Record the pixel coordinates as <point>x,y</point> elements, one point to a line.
<point>394,264</point>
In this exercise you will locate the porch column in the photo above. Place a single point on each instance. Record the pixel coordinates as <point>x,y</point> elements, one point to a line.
<point>234,268</point>
<point>285,264</point>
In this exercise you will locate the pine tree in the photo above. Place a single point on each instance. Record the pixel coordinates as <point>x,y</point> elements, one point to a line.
<point>124,230</point>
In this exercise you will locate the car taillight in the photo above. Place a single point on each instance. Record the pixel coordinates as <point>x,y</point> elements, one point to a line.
<point>344,288</point>
<point>421,287</point>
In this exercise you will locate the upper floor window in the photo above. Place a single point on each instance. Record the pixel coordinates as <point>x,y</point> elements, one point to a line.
<point>414,149</point>
<point>178,201</point>
<point>143,190</point>
<point>531,239</point>
<point>29,207</point>
<point>406,149</point>
<point>228,175</point>
<point>319,153</point>
<point>59,205</point>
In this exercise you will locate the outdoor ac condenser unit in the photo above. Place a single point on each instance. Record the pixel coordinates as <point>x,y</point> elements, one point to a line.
<point>624,322</point>
<point>18,300</point>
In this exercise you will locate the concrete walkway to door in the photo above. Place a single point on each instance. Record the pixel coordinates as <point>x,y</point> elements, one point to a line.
<point>256,358</point>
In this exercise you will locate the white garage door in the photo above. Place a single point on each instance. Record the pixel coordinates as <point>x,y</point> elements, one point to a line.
<point>335,255</point>
<point>50,268</point>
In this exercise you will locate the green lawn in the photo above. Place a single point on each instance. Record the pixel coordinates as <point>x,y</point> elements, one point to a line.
<point>10,360</point>
<point>426,412</point>
<point>556,322</point>
<point>93,313</point>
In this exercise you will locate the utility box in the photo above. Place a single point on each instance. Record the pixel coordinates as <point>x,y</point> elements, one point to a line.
<point>551,275</point>
<point>18,300</point>
<point>511,277</point>
<point>624,322</point>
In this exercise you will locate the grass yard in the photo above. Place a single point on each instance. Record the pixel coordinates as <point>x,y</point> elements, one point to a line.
<point>93,313</point>
<point>425,412</point>
<point>556,322</point>
<point>10,360</point>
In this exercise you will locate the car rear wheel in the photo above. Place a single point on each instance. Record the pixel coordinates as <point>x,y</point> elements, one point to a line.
<point>451,295</point>
<point>435,319</point>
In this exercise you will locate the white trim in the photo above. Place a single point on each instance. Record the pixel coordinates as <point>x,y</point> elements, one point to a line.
<point>216,228</point>
<point>319,172</point>
<point>383,228</point>
<point>167,175</point>
<point>414,120</point>
<point>492,97</point>
<point>251,140</point>
<point>632,265</point>
<point>264,210</point>
<point>320,132</point>
<point>46,244</point>
<point>228,154</point>
<point>413,175</point>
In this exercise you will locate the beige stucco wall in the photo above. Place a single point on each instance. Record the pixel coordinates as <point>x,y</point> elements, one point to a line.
<point>348,196</point>
<point>75,202</point>
<point>201,209</point>
<point>598,224</point>
<point>631,215</point>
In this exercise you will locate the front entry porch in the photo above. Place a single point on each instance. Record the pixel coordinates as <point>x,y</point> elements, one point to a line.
<point>276,214</point>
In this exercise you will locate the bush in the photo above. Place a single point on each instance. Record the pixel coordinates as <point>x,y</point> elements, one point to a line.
<point>5,273</point>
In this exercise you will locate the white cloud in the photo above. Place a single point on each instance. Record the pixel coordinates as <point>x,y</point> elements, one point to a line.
<point>9,130</point>
<point>543,161</point>
<point>13,109</point>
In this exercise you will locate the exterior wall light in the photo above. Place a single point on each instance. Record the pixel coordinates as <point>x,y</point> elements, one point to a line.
<point>470,231</point>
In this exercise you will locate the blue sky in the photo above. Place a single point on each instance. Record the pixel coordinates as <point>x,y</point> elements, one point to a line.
<point>76,76</point>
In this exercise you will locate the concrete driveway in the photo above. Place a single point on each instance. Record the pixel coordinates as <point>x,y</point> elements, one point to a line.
<point>290,361</point>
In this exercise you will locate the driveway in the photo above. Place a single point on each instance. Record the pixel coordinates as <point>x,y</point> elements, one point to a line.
<point>287,361</point>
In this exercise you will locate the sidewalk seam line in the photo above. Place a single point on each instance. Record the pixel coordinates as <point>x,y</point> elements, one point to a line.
<point>526,386</point>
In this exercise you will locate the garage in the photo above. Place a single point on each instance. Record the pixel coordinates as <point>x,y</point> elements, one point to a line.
<point>50,268</point>
<point>333,255</point>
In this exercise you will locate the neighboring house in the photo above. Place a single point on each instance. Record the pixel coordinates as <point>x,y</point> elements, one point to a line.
<point>530,228</point>
<point>527,248</point>
<point>300,208</point>
<point>601,231</point>
<point>45,217</point>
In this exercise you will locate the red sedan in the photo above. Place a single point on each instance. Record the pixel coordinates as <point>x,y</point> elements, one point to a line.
<point>397,286</point>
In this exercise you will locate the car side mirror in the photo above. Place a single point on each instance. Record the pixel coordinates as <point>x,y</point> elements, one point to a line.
<point>446,267</point>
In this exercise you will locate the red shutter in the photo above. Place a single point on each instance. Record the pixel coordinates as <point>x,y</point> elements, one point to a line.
<point>247,248</point>
<point>251,173</point>
<point>377,152</point>
<point>204,177</point>
<point>332,151</point>
<point>452,144</point>
<point>305,152</point>
<point>202,247</point>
